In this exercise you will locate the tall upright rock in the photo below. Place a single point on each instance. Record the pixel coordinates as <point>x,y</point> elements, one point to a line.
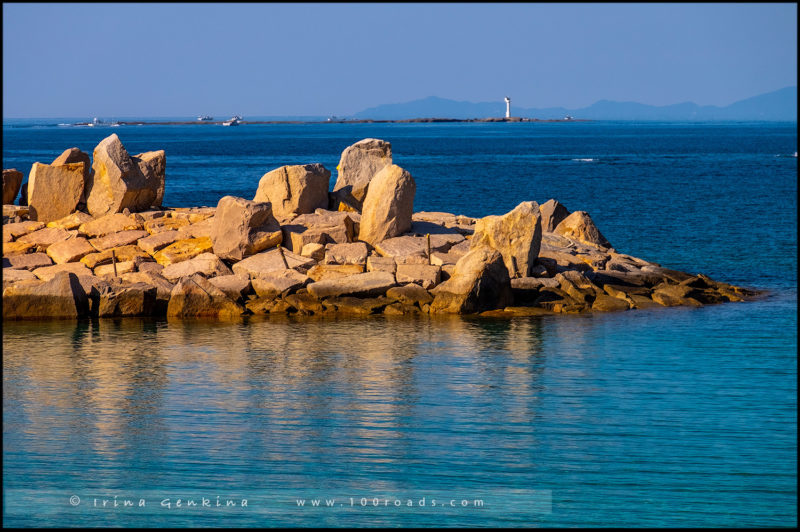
<point>388,205</point>
<point>153,165</point>
<point>75,155</point>
<point>359,164</point>
<point>12,180</point>
<point>517,235</point>
<point>553,212</point>
<point>117,182</point>
<point>243,228</point>
<point>295,190</point>
<point>54,191</point>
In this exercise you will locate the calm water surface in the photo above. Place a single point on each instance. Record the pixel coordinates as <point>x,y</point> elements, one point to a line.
<point>668,417</point>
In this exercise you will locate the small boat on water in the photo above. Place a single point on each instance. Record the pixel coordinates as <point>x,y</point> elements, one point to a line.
<point>205,118</point>
<point>235,121</point>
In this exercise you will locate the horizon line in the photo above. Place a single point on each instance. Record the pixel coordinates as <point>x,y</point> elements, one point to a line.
<point>352,115</point>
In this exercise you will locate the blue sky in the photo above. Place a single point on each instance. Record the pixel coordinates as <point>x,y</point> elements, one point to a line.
<point>71,60</point>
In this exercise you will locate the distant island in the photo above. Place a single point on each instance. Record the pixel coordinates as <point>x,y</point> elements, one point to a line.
<point>335,121</point>
<point>780,105</point>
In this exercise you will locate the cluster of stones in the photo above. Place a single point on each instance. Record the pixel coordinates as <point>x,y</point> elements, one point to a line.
<point>92,239</point>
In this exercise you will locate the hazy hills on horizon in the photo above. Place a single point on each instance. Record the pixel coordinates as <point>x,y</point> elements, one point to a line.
<point>780,105</point>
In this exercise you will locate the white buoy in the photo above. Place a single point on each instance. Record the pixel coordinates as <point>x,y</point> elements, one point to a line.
<point>508,107</point>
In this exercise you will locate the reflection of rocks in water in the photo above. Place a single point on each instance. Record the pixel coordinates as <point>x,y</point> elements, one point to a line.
<point>340,390</point>
<point>103,379</point>
<point>309,378</point>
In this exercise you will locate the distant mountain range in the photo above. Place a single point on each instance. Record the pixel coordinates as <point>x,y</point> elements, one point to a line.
<point>780,105</point>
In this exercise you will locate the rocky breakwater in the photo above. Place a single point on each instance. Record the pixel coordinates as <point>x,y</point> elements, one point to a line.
<point>92,240</point>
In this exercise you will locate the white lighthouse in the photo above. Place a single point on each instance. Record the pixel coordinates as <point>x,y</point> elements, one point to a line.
<point>508,107</point>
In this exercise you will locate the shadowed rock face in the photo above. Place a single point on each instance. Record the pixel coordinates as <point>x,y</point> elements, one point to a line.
<point>388,205</point>
<point>322,227</point>
<point>117,181</point>
<point>12,180</point>
<point>553,213</point>
<point>197,297</point>
<point>153,166</point>
<point>295,190</point>
<point>480,282</point>
<point>359,164</point>
<point>517,235</point>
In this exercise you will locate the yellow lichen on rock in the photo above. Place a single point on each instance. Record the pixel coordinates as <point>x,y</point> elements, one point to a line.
<point>183,250</point>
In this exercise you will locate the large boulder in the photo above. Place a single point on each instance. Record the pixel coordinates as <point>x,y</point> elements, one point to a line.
<point>295,190</point>
<point>517,235</point>
<point>359,164</point>
<point>479,282</point>
<point>126,299</point>
<point>117,181</point>
<point>388,205</point>
<point>579,226</point>
<point>61,296</point>
<point>163,288</point>
<point>553,212</point>
<point>197,297</point>
<point>12,180</point>
<point>75,155</point>
<point>243,228</point>
<point>54,191</point>
<point>153,166</point>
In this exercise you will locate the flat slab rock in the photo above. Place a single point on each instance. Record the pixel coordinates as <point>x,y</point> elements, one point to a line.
<point>362,284</point>
<point>269,261</point>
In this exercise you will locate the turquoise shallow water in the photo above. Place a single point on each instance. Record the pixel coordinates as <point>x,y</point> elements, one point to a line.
<point>668,417</point>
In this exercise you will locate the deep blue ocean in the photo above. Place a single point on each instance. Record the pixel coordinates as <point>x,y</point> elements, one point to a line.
<point>667,417</point>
